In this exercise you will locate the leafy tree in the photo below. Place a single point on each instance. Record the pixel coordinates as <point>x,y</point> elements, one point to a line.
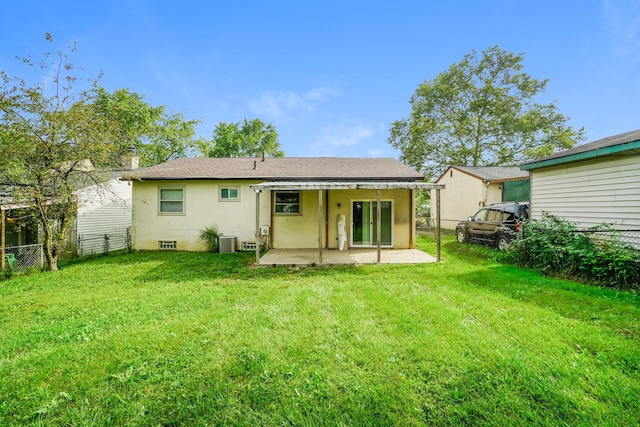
<point>156,135</point>
<point>252,138</point>
<point>49,132</point>
<point>480,112</point>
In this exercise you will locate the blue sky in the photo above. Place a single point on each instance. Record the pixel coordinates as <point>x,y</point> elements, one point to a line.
<point>332,75</point>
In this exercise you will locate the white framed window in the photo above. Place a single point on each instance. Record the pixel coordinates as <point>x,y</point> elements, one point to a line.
<point>228,194</point>
<point>171,201</point>
<point>287,202</point>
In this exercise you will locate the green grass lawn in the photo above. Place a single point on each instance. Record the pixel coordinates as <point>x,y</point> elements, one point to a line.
<point>201,339</point>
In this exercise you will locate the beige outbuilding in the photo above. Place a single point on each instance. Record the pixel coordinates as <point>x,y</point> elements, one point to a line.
<point>470,188</point>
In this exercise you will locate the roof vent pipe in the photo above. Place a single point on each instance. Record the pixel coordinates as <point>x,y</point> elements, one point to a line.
<point>254,165</point>
<point>263,155</point>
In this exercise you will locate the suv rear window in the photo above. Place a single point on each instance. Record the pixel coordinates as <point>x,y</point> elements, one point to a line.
<point>509,213</point>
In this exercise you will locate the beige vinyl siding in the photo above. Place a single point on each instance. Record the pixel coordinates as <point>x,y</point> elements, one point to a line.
<point>464,195</point>
<point>493,193</point>
<point>589,193</point>
<point>103,210</point>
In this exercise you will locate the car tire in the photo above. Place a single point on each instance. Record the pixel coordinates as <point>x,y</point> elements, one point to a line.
<point>461,236</point>
<point>503,242</point>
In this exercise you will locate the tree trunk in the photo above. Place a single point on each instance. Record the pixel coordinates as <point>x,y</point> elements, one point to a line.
<point>50,252</point>
<point>55,230</point>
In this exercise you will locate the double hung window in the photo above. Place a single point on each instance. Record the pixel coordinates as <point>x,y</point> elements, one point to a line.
<point>171,200</point>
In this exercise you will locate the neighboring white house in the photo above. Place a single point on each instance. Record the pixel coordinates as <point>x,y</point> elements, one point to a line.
<point>301,201</point>
<point>102,222</point>
<point>472,187</point>
<point>590,184</point>
<point>103,219</point>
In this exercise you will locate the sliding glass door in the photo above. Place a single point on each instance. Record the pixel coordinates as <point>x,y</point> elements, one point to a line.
<point>364,223</point>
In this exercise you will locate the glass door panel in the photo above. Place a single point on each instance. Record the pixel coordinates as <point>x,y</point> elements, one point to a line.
<point>364,230</point>
<point>361,227</point>
<point>385,223</point>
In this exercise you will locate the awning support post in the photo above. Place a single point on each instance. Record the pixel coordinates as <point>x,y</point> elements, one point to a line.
<point>320,226</point>
<point>378,226</point>
<point>257,227</point>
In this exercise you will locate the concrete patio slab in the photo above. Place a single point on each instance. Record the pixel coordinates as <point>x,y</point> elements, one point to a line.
<point>300,257</point>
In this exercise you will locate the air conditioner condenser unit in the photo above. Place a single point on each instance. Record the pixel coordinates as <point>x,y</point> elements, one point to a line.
<point>227,244</point>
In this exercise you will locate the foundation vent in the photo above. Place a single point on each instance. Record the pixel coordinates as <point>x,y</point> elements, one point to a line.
<point>167,245</point>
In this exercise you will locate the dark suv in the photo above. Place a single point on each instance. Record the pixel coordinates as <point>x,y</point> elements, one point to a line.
<point>496,224</point>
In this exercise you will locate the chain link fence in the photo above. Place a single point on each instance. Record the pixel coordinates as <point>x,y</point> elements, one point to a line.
<point>100,244</point>
<point>626,238</point>
<point>23,258</point>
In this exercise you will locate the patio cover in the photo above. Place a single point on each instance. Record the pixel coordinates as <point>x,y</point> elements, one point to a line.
<point>346,185</point>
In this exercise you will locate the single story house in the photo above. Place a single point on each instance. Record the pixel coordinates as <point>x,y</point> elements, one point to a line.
<point>472,187</point>
<point>591,184</point>
<point>277,202</point>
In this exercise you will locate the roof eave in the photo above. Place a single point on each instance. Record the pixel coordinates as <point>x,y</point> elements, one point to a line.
<point>346,185</point>
<point>598,152</point>
<point>279,178</point>
<point>482,178</point>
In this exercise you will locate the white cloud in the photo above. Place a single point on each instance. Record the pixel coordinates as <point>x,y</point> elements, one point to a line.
<point>276,105</point>
<point>322,93</point>
<point>345,135</point>
<point>337,139</point>
<point>279,105</point>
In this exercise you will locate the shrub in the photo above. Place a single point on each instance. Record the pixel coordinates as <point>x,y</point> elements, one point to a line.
<point>595,255</point>
<point>210,235</point>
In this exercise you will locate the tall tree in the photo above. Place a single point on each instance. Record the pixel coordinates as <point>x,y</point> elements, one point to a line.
<point>252,138</point>
<point>49,131</point>
<point>482,111</point>
<point>157,135</point>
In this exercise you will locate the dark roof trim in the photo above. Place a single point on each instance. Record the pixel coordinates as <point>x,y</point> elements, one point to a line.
<point>254,178</point>
<point>585,155</point>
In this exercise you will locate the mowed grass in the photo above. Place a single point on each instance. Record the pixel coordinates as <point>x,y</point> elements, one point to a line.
<point>202,339</point>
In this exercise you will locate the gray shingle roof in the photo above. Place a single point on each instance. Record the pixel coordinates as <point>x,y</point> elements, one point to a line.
<point>609,141</point>
<point>279,168</point>
<point>494,173</point>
